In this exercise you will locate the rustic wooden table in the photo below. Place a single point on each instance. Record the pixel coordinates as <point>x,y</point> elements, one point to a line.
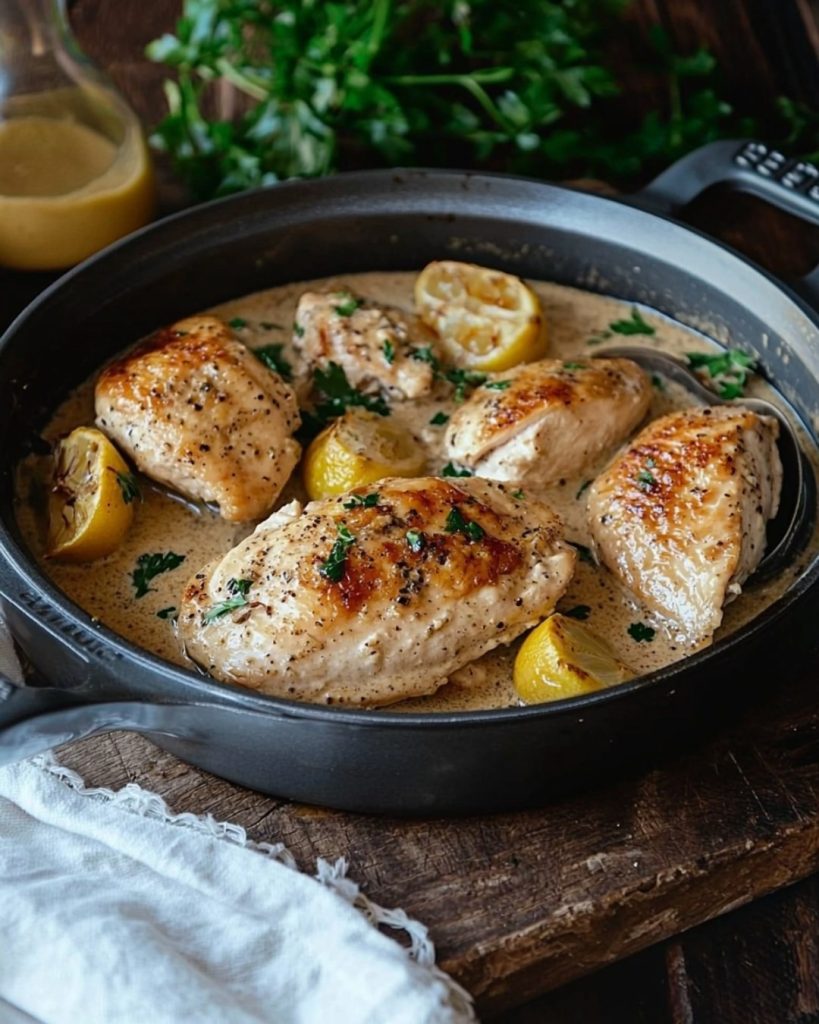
<point>522,904</point>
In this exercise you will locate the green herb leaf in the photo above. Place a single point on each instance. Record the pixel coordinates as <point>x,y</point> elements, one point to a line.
<point>271,356</point>
<point>335,565</point>
<point>348,305</point>
<point>642,633</point>
<point>582,489</point>
<point>389,351</point>
<point>636,325</point>
<point>298,330</point>
<point>150,565</point>
<point>574,366</point>
<point>497,385</point>
<point>728,370</point>
<point>518,495</point>
<point>362,500</point>
<point>580,611</point>
<point>167,613</point>
<point>416,541</point>
<point>439,419</point>
<point>646,480</point>
<point>426,355</point>
<point>338,395</point>
<point>463,379</point>
<point>451,470</point>
<point>239,589</point>
<point>456,522</point>
<point>129,487</point>
<point>237,323</point>
<point>658,382</point>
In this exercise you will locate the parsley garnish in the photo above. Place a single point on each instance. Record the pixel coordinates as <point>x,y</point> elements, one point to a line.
<point>658,382</point>
<point>416,541</point>
<point>463,379</point>
<point>580,611</point>
<point>640,632</point>
<point>389,351</point>
<point>518,495</point>
<point>128,486</point>
<point>574,366</point>
<point>338,395</point>
<point>645,478</point>
<point>271,356</point>
<point>457,523</point>
<point>497,385</point>
<point>362,500</point>
<point>239,589</point>
<point>167,613</point>
<point>149,566</point>
<point>298,330</point>
<point>335,565</point>
<point>450,470</point>
<point>237,323</point>
<point>439,419</point>
<point>729,370</point>
<point>348,305</point>
<point>636,325</point>
<point>584,553</point>
<point>426,355</point>
<point>583,487</point>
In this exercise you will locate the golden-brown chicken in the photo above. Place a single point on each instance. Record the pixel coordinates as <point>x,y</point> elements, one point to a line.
<point>196,410</point>
<point>680,516</point>
<point>547,420</point>
<point>374,345</point>
<point>376,595</point>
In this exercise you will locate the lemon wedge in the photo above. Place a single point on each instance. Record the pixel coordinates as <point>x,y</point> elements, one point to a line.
<point>563,658</point>
<point>91,503</point>
<point>357,449</point>
<point>486,320</point>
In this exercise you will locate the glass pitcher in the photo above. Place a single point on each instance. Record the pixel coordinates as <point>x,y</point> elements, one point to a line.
<point>74,169</point>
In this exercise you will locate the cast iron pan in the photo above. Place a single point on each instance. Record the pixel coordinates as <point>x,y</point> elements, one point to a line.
<point>384,761</point>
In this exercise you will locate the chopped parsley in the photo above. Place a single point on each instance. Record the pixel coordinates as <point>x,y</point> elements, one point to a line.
<point>335,565</point>
<point>416,541</point>
<point>426,355</point>
<point>658,382</point>
<point>574,366</point>
<point>439,419</point>
<point>645,478</point>
<point>239,590</point>
<point>363,500</point>
<point>635,325</point>
<point>271,356</point>
<point>729,370</point>
<point>518,495</point>
<point>450,470</point>
<point>149,566</point>
<point>497,385</point>
<point>167,613</point>
<point>337,395</point>
<point>128,486</point>
<point>389,351</point>
<point>642,633</point>
<point>348,305</point>
<point>463,379</point>
<point>582,489</point>
<point>584,553</point>
<point>598,339</point>
<point>457,523</point>
<point>580,611</point>
<point>237,323</point>
<point>298,330</point>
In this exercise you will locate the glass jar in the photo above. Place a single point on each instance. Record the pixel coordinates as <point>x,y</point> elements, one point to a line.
<point>74,168</point>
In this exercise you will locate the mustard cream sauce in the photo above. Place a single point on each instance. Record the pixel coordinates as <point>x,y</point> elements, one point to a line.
<point>578,325</point>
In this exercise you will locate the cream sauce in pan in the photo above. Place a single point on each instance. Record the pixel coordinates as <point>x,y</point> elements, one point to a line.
<point>578,325</point>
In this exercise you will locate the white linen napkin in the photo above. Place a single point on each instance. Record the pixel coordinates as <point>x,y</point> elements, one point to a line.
<point>113,910</point>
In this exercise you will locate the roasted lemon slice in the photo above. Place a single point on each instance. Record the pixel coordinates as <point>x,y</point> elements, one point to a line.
<point>358,449</point>
<point>91,502</point>
<point>486,320</point>
<point>563,658</point>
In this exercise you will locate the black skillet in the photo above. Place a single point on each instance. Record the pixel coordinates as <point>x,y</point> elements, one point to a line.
<point>387,220</point>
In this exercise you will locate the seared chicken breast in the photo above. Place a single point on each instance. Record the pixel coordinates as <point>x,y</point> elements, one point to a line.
<point>374,345</point>
<point>377,595</point>
<point>196,410</point>
<point>680,516</point>
<point>547,420</point>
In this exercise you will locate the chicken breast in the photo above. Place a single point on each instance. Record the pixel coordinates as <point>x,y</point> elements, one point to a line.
<point>544,421</point>
<point>357,600</point>
<point>196,410</point>
<point>680,516</point>
<point>374,345</point>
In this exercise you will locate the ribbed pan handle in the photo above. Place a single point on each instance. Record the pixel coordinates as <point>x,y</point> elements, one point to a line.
<point>746,165</point>
<point>35,719</point>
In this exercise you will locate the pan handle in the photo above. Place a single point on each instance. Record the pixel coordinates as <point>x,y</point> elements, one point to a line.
<point>34,719</point>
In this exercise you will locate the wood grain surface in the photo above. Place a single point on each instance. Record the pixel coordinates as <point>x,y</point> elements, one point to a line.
<point>522,904</point>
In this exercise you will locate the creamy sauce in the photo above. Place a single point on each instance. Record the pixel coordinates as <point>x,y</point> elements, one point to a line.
<point>577,322</point>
